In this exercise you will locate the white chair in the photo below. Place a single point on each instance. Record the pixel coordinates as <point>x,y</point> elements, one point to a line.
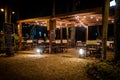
<point>40,41</point>
<point>57,41</point>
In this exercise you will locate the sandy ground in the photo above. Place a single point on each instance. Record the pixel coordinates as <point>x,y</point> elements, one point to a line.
<point>27,65</point>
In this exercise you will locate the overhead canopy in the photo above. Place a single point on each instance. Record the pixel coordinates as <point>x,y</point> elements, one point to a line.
<point>88,17</point>
<point>85,18</point>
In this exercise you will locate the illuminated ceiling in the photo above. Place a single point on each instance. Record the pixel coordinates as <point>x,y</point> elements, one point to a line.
<point>89,17</point>
<point>84,19</point>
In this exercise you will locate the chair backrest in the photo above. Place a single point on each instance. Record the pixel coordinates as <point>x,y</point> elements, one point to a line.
<point>29,41</point>
<point>40,41</point>
<point>47,41</point>
<point>109,43</point>
<point>57,41</point>
<point>64,41</point>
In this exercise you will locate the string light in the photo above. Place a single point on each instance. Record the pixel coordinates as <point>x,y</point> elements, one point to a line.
<point>2,10</point>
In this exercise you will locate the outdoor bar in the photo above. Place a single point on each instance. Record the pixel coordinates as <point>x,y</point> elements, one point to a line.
<point>85,18</point>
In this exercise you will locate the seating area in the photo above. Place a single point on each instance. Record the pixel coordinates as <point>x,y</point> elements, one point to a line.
<point>58,46</point>
<point>93,47</point>
<point>80,44</point>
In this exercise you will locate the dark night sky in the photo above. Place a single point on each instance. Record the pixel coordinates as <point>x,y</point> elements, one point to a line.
<point>37,8</point>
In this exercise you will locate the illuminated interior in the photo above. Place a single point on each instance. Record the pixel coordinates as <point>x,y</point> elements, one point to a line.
<point>86,18</point>
<point>90,17</point>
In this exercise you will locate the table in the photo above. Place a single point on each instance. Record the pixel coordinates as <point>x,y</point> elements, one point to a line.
<point>93,49</point>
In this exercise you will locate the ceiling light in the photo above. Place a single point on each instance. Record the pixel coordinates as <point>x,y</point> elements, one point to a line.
<point>97,19</point>
<point>2,10</point>
<point>13,12</point>
<point>91,17</point>
<point>84,16</point>
<point>112,21</point>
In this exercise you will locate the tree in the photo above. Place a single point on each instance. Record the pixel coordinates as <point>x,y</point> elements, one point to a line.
<point>105,28</point>
<point>117,31</point>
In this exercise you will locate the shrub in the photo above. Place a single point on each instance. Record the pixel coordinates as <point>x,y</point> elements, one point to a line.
<point>103,71</point>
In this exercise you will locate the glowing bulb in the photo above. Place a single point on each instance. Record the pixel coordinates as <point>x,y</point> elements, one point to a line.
<point>2,10</point>
<point>112,3</point>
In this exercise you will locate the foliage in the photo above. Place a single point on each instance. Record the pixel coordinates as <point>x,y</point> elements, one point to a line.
<point>16,37</point>
<point>103,71</point>
<point>1,39</point>
<point>1,43</point>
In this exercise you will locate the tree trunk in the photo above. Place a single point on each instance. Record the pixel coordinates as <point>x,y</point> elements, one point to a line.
<point>73,31</point>
<point>52,28</point>
<point>117,31</point>
<point>105,29</point>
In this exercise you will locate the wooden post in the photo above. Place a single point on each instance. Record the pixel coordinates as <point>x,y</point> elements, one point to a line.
<point>52,28</point>
<point>86,33</point>
<point>20,35</point>
<point>61,34</point>
<point>67,34</point>
<point>52,34</point>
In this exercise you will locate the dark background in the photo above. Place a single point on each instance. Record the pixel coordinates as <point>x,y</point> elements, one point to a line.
<point>25,9</point>
<point>36,8</point>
